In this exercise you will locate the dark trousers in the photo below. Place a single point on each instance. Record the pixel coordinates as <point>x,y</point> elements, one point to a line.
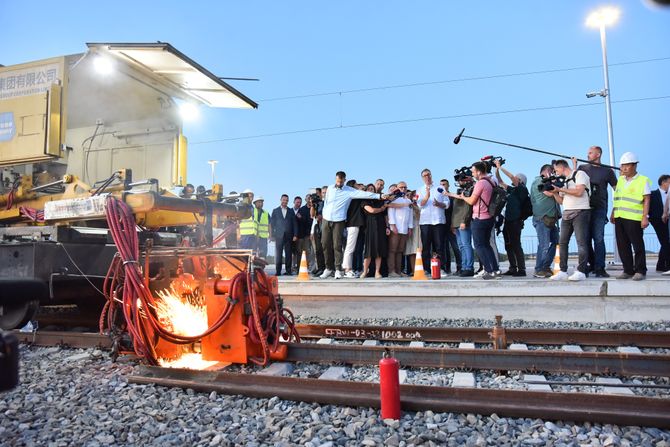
<point>318,250</point>
<point>481,237</point>
<point>331,239</point>
<point>283,246</point>
<point>597,229</point>
<point>628,239</point>
<point>357,261</point>
<point>512,236</point>
<point>450,244</point>
<point>431,242</point>
<point>579,225</point>
<point>663,235</point>
<point>397,243</point>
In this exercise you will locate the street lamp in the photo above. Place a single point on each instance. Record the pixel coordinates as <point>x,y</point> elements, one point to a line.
<point>601,18</point>
<point>212,163</point>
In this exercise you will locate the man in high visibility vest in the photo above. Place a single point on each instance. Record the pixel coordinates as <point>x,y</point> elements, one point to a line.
<point>262,219</point>
<point>255,230</point>
<point>630,216</point>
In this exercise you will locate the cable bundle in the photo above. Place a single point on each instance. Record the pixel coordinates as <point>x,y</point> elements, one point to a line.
<point>125,278</point>
<point>32,214</point>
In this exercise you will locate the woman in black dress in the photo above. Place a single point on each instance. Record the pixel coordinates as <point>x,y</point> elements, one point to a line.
<point>375,233</point>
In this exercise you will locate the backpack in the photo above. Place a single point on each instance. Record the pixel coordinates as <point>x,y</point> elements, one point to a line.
<point>526,207</point>
<point>498,199</point>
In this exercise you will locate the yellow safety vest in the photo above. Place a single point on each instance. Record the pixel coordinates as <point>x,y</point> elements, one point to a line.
<point>629,199</point>
<point>263,225</point>
<point>255,227</point>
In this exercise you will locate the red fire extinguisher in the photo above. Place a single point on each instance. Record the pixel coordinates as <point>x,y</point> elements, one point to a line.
<point>435,267</point>
<point>389,386</point>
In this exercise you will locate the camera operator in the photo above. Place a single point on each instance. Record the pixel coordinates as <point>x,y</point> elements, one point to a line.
<point>483,221</point>
<point>316,213</point>
<point>546,213</point>
<point>600,177</point>
<point>450,238</point>
<point>574,197</point>
<point>461,220</point>
<point>517,197</point>
<point>336,202</point>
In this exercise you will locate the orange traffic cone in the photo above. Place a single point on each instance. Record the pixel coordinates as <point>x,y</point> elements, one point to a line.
<point>419,274</point>
<point>557,260</point>
<point>303,272</point>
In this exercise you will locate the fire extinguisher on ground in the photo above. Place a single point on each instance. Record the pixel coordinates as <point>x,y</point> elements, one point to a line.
<point>389,386</point>
<point>435,267</point>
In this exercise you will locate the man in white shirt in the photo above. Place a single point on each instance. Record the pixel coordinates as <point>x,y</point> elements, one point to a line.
<point>335,206</point>
<point>401,223</point>
<point>574,197</point>
<point>432,220</point>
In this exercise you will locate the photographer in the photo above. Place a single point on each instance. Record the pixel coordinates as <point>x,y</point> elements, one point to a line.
<point>461,220</point>
<point>337,200</point>
<point>574,197</point>
<point>515,215</point>
<point>483,221</point>
<point>546,213</point>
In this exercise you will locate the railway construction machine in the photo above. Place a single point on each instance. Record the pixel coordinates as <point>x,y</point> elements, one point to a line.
<point>91,147</point>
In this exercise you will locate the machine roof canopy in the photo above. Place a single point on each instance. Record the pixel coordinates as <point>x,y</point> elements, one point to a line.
<point>165,63</point>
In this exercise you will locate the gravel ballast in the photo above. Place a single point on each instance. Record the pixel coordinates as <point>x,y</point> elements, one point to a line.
<point>79,397</point>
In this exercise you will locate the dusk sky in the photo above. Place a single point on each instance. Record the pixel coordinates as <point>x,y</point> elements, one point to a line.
<point>329,74</point>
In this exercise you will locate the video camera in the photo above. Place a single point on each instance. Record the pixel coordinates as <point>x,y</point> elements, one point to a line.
<point>315,198</point>
<point>489,161</point>
<point>553,181</point>
<point>463,177</point>
<point>395,195</point>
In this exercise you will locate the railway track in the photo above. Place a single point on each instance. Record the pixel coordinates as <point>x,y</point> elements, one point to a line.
<point>572,406</point>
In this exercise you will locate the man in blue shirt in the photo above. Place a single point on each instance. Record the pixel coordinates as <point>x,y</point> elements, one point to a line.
<point>335,206</point>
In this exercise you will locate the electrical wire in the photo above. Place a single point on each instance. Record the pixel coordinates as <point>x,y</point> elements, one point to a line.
<point>430,118</point>
<point>472,78</point>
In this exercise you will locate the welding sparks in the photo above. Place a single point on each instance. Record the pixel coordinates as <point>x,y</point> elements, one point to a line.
<point>188,361</point>
<point>180,315</point>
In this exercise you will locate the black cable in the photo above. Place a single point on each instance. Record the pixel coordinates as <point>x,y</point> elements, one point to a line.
<point>430,118</point>
<point>473,78</point>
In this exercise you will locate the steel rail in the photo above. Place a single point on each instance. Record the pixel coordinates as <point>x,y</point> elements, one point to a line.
<point>624,364</point>
<point>579,407</point>
<point>642,339</point>
<point>58,338</point>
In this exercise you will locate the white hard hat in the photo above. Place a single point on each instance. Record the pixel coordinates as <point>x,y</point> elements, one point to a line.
<point>628,157</point>
<point>247,191</point>
<point>258,198</point>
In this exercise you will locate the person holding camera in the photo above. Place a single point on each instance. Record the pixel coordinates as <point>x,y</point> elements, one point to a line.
<point>515,215</point>
<point>337,200</point>
<point>461,220</point>
<point>574,197</point>
<point>450,242</point>
<point>482,220</point>
<point>546,213</point>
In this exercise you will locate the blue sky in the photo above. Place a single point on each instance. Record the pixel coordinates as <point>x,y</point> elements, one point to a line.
<point>301,48</point>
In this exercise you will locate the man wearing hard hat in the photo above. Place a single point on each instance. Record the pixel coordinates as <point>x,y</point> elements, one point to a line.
<point>630,216</point>
<point>255,230</point>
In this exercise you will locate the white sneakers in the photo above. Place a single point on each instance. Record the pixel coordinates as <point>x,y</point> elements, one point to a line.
<point>577,276</point>
<point>326,274</point>
<point>560,276</point>
<point>338,274</point>
<point>666,273</point>
<point>350,274</point>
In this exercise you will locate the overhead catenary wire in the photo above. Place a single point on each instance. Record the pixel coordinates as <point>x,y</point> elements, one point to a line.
<point>430,118</point>
<point>464,79</point>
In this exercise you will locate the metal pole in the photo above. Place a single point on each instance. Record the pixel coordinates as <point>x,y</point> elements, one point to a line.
<point>608,108</point>
<point>608,104</point>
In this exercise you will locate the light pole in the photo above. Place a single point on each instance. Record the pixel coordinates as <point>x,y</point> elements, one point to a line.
<point>212,163</point>
<point>601,18</point>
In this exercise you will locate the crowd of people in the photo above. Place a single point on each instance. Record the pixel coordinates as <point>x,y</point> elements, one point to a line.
<point>354,230</point>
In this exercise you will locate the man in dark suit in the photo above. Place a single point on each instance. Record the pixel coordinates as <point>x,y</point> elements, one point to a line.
<point>656,219</point>
<point>284,231</point>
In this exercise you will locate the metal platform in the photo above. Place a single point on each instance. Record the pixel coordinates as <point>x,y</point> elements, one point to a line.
<point>592,300</point>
